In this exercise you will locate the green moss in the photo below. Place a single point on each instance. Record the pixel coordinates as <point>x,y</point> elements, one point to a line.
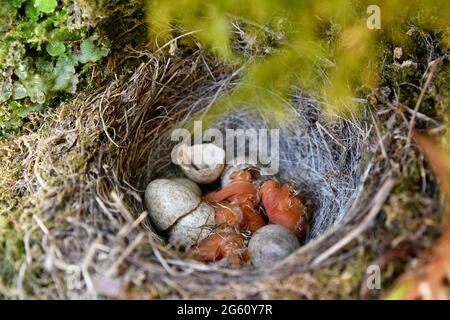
<point>343,280</point>
<point>43,45</point>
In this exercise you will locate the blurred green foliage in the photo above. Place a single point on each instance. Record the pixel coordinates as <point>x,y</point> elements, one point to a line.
<point>322,47</point>
<point>43,47</point>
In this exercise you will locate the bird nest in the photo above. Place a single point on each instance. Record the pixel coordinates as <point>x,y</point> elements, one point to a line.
<point>120,141</point>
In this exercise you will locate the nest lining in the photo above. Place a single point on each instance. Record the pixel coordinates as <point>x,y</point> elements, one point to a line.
<point>322,159</point>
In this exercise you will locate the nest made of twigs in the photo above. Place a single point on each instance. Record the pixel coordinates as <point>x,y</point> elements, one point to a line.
<point>122,134</point>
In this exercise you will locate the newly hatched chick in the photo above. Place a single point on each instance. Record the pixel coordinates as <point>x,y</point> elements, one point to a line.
<point>236,203</point>
<point>285,208</point>
<point>228,245</point>
<point>236,208</point>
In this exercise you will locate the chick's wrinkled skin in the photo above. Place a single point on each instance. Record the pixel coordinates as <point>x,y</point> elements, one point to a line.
<point>240,188</point>
<point>230,214</point>
<point>223,245</point>
<point>284,208</point>
<point>236,203</point>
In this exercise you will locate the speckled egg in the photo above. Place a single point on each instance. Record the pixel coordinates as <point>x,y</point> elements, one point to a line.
<point>193,227</point>
<point>271,244</point>
<point>167,201</point>
<point>188,184</point>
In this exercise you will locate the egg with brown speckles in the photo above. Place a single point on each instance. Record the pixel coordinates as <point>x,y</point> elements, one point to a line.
<point>193,227</point>
<point>188,184</point>
<point>167,201</point>
<point>177,208</point>
<point>271,244</point>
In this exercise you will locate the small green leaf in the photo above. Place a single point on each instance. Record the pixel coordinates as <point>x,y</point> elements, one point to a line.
<point>45,6</point>
<point>17,3</point>
<point>89,52</point>
<point>64,75</point>
<point>20,91</point>
<point>22,70</point>
<point>43,66</point>
<point>5,91</point>
<point>31,12</point>
<point>56,49</point>
<point>37,87</point>
<point>63,34</point>
<point>24,112</point>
